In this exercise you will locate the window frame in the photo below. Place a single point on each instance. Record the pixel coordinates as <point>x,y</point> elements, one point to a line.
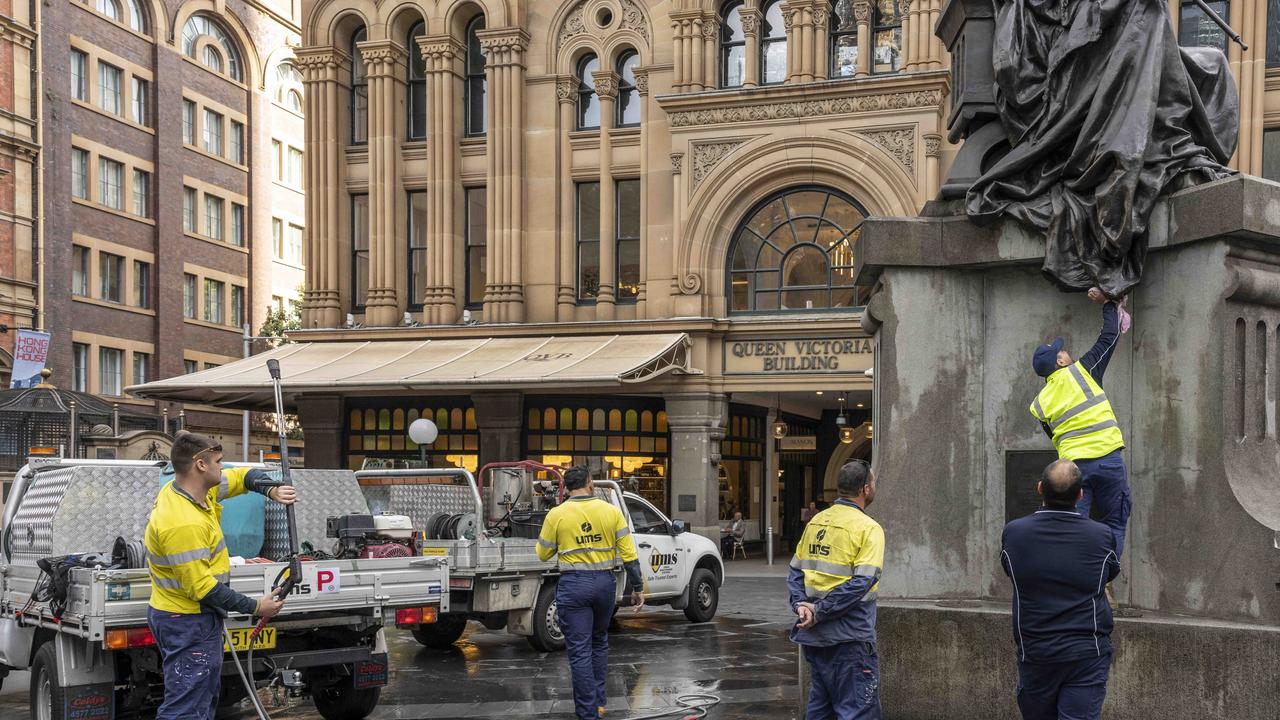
<point>190,296</point>
<point>141,367</point>
<point>628,93</point>
<point>212,132</point>
<point>481,248</point>
<point>80,367</point>
<point>358,298</point>
<point>188,122</point>
<point>416,85</point>
<point>359,111</point>
<point>190,210</point>
<point>475,80</point>
<point>586,93</point>
<point>117,387</point>
<point>80,175</point>
<point>214,230</point>
<point>728,44</point>
<point>111,277</point>
<point>142,284</point>
<point>417,295</point>
<point>108,169</point>
<point>81,256</point>
<point>79,68</point>
<point>140,101</point>
<point>878,26</point>
<point>619,239</point>
<point>141,193</point>
<point>238,226</point>
<point>835,36</point>
<point>236,306</point>
<point>215,289</point>
<point>766,42</point>
<point>578,243</point>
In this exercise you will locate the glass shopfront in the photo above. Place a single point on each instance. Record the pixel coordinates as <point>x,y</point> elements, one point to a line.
<point>378,430</point>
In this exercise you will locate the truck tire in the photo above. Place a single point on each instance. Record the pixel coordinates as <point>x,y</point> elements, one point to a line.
<point>343,701</point>
<point>442,633</point>
<point>46,687</point>
<point>547,635</point>
<point>704,596</point>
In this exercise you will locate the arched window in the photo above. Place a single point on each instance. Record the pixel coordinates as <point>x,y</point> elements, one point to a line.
<point>628,96</point>
<point>795,251</point>
<point>126,12</point>
<point>886,37</point>
<point>773,45</point>
<point>219,54</point>
<point>417,106</point>
<point>477,121</point>
<point>111,8</point>
<point>733,45</point>
<point>288,91</point>
<point>844,39</point>
<point>588,101</point>
<point>359,91</point>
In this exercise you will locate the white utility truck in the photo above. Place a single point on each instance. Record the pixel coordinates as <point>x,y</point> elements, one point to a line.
<point>489,535</point>
<point>74,598</point>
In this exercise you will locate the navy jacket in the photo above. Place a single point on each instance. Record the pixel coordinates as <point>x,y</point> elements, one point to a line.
<point>1059,562</point>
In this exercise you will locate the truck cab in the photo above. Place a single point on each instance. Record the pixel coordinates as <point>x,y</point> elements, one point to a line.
<point>680,568</point>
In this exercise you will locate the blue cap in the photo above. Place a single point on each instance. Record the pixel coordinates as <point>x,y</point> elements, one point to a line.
<point>1045,359</point>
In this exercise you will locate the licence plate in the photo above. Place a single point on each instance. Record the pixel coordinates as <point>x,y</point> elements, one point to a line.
<point>266,639</point>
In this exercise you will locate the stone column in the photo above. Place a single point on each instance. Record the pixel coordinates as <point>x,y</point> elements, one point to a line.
<point>910,48</point>
<point>646,138</point>
<point>821,40</point>
<point>324,422</point>
<point>711,51</point>
<point>862,13</point>
<point>679,64</point>
<point>751,18</point>
<point>504,69</point>
<point>697,56</point>
<point>932,165</point>
<point>937,51</point>
<point>791,22</point>
<point>500,418</point>
<point>607,89</point>
<point>323,70</point>
<point>696,420</point>
<point>677,215</point>
<point>386,63</point>
<point>566,288</point>
<point>444,56</point>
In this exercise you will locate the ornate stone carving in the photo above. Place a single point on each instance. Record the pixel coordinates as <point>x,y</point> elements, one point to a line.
<point>750,20</point>
<point>633,19</point>
<point>789,17</point>
<point>690,284</point>
<point>606,83</point>
<point>898,142</point>
<point>862,12</point>
<point>573,26</point>
<point>567,89</point>
<point>503,39</point>
<point>807,108</point>
<point>707,155</point>
<point>932,145</point>
<point>642,80</point>
<point>441,48</point>
<point>677,161</point>
<point>905,6</point>
<point>820,16</point>
<point>710,29</point>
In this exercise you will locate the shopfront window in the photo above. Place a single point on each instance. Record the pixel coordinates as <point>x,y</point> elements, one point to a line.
<point>742,464</point>
<point>628,437</point>
<point>378,431</point>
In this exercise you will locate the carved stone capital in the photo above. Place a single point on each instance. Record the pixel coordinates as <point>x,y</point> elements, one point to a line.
<point>642,80</point>
<point>820,16</point>
<point>606,84</point>
<point>932,145</point>
<point>750,19</point>
<point>567,89</point>
<point>313,62</point>
<point>710,29</point>
<point>677,162</point>
<point>382,56</point>
<point>440,47</point>
<point>862,12</point>
<point>508,39</point>
<point>905,6</point>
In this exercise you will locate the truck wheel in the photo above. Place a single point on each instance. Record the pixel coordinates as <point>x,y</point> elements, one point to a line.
<point>46,687</point>
<point>442,633</point>
<point>343,701</point>
<point>547,635</point>
<point>704,596</point>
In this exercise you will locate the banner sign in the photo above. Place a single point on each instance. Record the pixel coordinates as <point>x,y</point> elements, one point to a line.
<point>30,351</point>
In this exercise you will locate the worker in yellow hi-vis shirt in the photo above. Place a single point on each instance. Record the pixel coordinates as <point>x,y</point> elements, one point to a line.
<point>833,582</point>
<point>590,536</point>
<point>187,556</point>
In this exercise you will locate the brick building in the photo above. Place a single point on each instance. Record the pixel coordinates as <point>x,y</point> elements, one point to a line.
<point>19,191</point>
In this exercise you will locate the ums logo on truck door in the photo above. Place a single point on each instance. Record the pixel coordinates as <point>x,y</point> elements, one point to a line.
<point>663,565</point>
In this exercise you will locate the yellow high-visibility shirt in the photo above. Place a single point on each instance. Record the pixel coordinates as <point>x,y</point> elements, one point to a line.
<point>1078,414</point>
<point>838,544</point>
<point>588,534</point>
<point>187,555</point>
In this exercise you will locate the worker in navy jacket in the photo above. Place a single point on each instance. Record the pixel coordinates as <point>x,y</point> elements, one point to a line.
<point>1059,561</point>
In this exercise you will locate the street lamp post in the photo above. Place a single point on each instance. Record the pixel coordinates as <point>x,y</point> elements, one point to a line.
<point>248,337</point>
<point>423,432</point>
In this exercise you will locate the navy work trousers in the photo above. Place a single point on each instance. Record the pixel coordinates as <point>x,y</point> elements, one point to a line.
<point>1106,482</point>
<point>191,653</point>
<point>584,604</point>
<point>1063,691</point>
<point>844,682</point>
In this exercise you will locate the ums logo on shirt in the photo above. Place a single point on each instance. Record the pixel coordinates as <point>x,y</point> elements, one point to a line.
<point>587,537</point>
<point>820,548</point>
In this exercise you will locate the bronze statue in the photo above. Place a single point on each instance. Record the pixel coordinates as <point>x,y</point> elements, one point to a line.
<point>1104,113</point>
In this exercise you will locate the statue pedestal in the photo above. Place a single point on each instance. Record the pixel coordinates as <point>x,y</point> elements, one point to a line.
<point>957,312</point>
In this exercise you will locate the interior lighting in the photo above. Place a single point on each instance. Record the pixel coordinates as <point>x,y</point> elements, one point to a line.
<point>779,430</point>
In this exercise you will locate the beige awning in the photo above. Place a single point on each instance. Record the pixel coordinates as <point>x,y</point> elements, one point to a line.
<point>458,365</point>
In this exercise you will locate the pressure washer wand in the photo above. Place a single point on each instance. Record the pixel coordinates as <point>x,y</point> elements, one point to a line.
<point>295,565</point>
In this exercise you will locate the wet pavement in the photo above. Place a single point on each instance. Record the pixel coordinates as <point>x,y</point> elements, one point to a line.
<point>743,656</point>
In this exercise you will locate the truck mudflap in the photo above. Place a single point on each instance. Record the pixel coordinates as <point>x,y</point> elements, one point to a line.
<point>89,702</point>
<point>371,672</point>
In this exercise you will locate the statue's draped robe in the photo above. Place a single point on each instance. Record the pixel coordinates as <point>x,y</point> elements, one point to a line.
<point>1104,113</point>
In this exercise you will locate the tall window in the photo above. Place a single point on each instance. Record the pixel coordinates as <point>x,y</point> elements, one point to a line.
<point>886,37</point>
<point>111,277</point>
<point>190,366</point>
<point>189,295</point>
<point>795,251</point>
<point>844,39</point>
<point>237,224</point>
<point>141,100</point>
<point>213,299</point>
<point>189,200</point>
<point>293,244</point>
<point>80,173</point>
<point>114,10</point>
<point>588,240</point>
<point>236,147</point>
<point>79,271</point>
<point>110,180</point>
<point>628,95</point>
<point>733,45</point>
<point>213,216</point>
<point>1195,29</point>
<point>188,122</point>
<point>288,90</point>
<point>141,284</point>
<point>141,367</point>
<point>417,247</point>
<point>359,91</point>
<point>79,367</point>
<point>359,250</point>
<point>293,176</point>
<point>627,232</point>
<point>220,54</point>
<point>773,45</point>
<point>277,237</point>
<point>79,76</point>
<point>109,79</point>
<point>477,121</point>
<point>417,105</point>
<point>110,8</point>
<point>237,306</point>
<point>110,379</point>
<point>588,101</point>
<point>142,193</point>
<point>477,250</point>
<point>213,132</point>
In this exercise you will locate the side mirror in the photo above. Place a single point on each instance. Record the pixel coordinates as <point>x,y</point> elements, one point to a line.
<point>679,526</point>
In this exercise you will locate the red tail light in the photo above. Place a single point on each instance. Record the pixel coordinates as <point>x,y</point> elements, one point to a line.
<point>408,616</point>
<point>128,639</point>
